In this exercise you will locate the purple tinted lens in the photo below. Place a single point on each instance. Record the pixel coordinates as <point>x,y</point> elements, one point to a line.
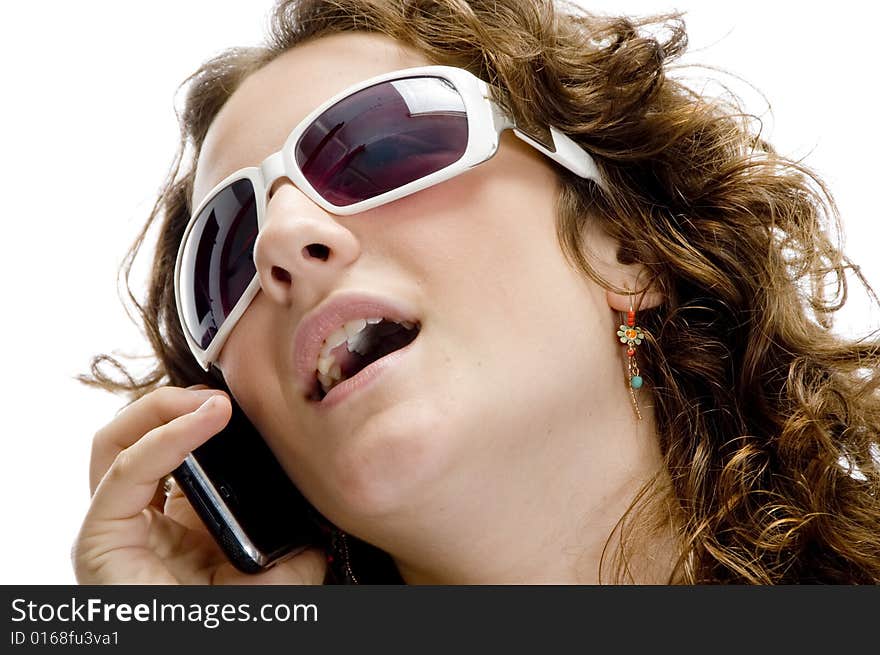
<point>221,257</point>
<point>383,137</point>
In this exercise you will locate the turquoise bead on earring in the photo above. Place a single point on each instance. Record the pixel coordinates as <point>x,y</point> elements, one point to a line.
<point>636,382</point>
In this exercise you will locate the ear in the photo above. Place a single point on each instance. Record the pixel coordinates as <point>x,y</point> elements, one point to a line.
<point>644,297</point>
<point>603,252</point>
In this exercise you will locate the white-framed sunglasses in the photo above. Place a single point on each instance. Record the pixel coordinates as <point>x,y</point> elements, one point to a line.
<point>375,142</point>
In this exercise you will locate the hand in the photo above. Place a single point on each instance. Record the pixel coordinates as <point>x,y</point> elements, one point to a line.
<point>132,533</point>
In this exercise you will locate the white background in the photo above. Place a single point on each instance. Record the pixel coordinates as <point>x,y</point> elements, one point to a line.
<point>88,133</point>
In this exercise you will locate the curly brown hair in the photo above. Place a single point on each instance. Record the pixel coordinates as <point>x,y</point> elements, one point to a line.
<point>768,420</point>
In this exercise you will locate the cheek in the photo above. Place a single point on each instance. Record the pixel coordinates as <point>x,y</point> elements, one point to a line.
<point>251,369</point>
<point>245,353</point>
<point>501,290</point>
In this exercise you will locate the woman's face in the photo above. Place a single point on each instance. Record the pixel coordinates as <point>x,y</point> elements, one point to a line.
<point>516,349</point>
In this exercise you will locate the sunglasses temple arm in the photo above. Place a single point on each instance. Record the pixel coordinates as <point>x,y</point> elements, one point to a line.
<point>564,151</point>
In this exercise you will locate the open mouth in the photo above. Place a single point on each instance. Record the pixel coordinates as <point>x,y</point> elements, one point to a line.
<point>356,345</point>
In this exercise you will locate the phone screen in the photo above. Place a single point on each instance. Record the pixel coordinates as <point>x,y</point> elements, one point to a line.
<point>245,497</point>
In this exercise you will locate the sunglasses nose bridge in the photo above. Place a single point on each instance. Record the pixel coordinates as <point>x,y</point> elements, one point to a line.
<point>272,168</point>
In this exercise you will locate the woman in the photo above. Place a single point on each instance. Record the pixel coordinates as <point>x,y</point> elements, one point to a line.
<point>622,368</point>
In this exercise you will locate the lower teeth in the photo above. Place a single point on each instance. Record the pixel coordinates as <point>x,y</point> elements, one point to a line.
<point>328,383</point>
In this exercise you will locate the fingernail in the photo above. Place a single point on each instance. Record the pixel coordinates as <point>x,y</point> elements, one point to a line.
<point>205,406</point>
<point>196,387</point>
<point>206,393</point>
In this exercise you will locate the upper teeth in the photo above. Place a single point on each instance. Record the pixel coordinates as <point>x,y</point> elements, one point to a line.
<point>329,372</point>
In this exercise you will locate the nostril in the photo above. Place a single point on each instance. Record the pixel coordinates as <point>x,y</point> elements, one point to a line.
<point>280,274</point>
<point>318,251</point>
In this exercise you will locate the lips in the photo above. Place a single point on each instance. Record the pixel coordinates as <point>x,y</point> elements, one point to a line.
<point>327,317</point>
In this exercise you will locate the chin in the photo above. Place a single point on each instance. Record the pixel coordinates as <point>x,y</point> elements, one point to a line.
<point>393,460</point>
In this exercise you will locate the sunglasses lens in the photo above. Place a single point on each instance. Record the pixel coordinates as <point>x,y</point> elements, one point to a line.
<point>218,260</point>
<point>383,137</point>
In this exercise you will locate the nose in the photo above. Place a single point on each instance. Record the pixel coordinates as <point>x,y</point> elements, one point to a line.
<point>301,249</point>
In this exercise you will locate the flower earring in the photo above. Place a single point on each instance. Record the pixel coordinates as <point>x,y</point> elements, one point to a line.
<point>631,336</point>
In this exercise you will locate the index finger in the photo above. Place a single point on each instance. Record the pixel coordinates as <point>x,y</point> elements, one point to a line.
<point>147,413</point>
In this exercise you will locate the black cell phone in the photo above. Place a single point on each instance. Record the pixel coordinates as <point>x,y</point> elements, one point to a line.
<point>246,499</point>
